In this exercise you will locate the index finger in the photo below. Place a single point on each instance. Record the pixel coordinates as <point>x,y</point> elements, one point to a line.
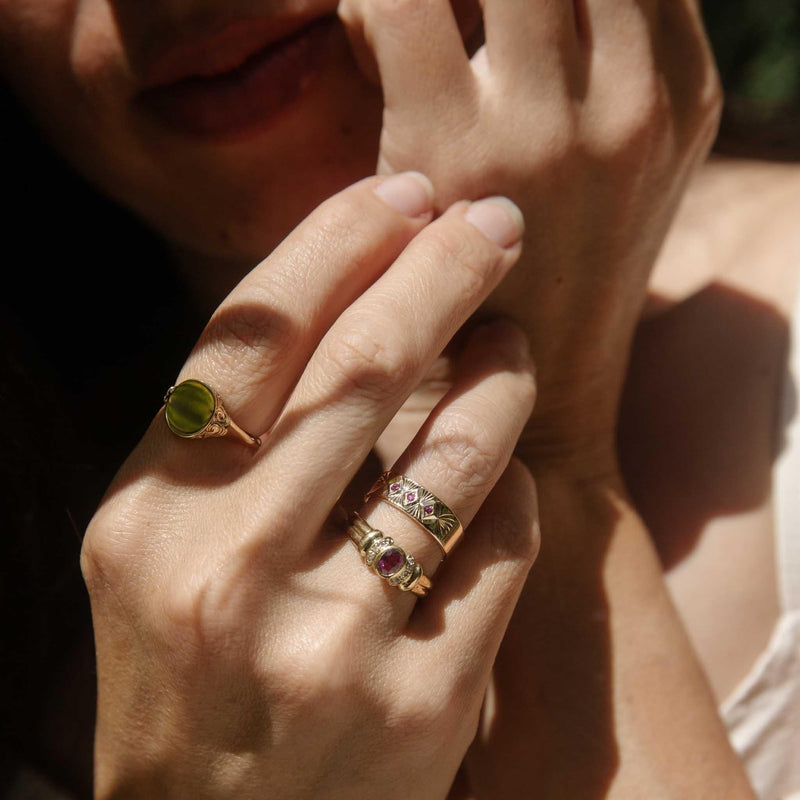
<point>260,338</point>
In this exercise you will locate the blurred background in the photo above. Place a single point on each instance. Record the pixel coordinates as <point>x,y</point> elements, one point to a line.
<point>757,45</point>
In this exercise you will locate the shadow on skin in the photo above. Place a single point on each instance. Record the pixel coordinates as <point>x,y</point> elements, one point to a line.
<point>697,409</point>
<point>571,752</point>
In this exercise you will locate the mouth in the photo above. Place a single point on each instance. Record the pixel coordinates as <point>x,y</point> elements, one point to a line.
<point>236,81</point>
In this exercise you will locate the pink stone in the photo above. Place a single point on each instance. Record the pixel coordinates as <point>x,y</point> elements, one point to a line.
<point>390,562</point>
<point>429,509</point>
<point>411,497</point>
<point>395,487</point>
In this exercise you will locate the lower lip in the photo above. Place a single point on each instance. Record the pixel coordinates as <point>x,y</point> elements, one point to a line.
<point>239,101</point>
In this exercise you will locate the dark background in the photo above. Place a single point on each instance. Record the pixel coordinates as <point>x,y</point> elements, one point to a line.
<point>757,46</point>
<point>93,328</point>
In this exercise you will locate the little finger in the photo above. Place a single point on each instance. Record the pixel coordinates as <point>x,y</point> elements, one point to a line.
<point>418,49</point>
<point>477,591</point>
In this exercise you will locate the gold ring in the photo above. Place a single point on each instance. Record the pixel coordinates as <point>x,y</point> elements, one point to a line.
<point>193,410</point>
<point>386,559</point>
<point>423,506</point>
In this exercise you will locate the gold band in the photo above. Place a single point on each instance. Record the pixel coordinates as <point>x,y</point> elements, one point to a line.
<point>386,559</point>
<point>193,410</point>
<point>423,506</point>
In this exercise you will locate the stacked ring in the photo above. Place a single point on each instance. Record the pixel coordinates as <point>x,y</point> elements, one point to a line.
<point>386,559</point>
<point>422,505</point>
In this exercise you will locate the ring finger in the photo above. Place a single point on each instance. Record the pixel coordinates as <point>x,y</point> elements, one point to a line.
<point>458,456</point>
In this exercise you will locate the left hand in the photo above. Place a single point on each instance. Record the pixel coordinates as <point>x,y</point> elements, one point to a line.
<point>590,117</point>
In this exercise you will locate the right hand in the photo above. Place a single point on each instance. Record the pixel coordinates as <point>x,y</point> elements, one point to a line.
<point>243,649</point>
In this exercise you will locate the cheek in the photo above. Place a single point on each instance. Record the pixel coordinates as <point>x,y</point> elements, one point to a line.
<point>35,34</point>
<point>59,56</point>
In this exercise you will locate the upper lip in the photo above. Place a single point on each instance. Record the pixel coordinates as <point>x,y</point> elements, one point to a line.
<point>205,54</point>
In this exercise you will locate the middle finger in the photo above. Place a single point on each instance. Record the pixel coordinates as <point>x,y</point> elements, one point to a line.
<point>381,348</point>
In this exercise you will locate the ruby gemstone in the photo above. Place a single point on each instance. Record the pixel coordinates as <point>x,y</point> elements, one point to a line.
<point>395,487</point>
<point>390,562</point>
<point>429,509</point>
<point>411,497</point>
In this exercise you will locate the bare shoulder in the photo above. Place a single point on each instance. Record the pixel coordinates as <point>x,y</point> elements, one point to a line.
<point>739,224</point>
<point>699,420</point>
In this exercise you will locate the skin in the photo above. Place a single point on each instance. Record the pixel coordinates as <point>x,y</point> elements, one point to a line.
<point>630,110</point>
<point>728,265</point>
<point>190,599</point>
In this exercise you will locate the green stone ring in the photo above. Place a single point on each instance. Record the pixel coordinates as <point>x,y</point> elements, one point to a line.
<point>193,410</point>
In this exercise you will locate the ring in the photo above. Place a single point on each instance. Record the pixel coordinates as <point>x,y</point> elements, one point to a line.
<point>386,559</point>
<point>423,506</point>
<point>193,410</point>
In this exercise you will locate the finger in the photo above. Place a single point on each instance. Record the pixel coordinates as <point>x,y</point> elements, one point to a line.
<point>259,340</point>
<point>458,455</point>
<point>621,41</point>
<point>532,41</point>
<point>477,589</point>
<point>467,441</point>
<point>418,50</point>
<point>379,350</point>
<point>624,78</point>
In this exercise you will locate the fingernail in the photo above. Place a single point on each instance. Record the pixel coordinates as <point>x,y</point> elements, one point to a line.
<point>411,193</point>
<point>498,218</point>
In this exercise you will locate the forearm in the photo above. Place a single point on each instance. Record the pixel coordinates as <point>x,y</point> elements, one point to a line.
<point>598,692</point>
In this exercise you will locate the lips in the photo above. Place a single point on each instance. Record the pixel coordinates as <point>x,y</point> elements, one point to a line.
<point>234,82</point>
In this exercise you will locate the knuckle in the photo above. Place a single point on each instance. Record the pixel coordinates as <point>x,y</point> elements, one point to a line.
<point>466,455</point>
<point>92,565</point>
<point>414,723</point>
<point>557,140</point>
<point>342,222</point>
<point>397,11</point>
<point>249,334</point>
<point>110,551</point>
<point>631,132</point>
<point>370,363</point>
<point>199,619</point>
<point>463,251</point>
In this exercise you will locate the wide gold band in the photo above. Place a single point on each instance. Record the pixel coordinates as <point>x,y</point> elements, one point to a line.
<point>423,506</point>
<point>386,559</point>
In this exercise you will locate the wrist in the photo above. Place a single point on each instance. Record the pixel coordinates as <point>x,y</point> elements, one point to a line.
<point>572,435</point>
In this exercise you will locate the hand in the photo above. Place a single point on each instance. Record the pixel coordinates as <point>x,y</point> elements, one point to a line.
<point>591,117</point>
<point>243,649</point>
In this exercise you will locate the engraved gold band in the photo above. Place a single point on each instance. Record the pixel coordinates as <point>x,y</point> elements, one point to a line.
<point>423,506</point>
<point>386,559</point>
<point>193,410</point>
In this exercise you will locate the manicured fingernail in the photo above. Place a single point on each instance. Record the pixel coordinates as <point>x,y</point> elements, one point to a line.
<point>411,193</point>
<point>498,218</point>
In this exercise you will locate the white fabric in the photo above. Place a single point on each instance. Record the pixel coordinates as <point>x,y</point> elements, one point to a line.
<point>763,714</point>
